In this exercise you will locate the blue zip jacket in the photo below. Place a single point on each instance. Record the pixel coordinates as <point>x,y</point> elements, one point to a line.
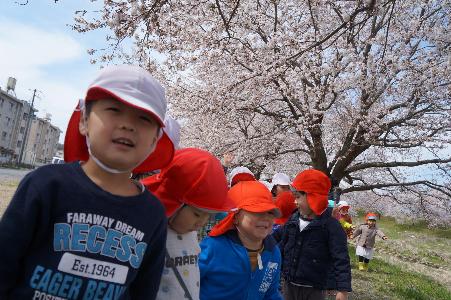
<point>309,255</point>
<point>225,270</point>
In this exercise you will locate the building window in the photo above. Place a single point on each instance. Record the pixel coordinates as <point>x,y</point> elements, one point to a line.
<point>4,134</point>
<point>25,116</point>
<point>7,120</point>
<point>19,143</point>
<point>22,129</point>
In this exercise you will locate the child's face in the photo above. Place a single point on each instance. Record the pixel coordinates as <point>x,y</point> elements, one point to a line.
<point>344,210</point>
<point>120,135</point>
<point>255,226</point>
<point>371,223</point>
<point>302,204</point>
<point>282,188</point>
<point>188,219</point>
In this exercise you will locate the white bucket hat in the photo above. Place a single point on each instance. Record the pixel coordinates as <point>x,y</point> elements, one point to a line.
<point>281,179</point>
<point>172,128</point>
<point>342,203</point>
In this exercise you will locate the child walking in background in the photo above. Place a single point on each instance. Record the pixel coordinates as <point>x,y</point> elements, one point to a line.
<point>192,187</point>
<point>280,183</point>
<point>240,260</point>
<point>85,230</point>
<point>367,237</point>
<point>344,218</point>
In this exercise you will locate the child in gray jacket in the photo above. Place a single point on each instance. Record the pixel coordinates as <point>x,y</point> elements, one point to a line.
<point>367,237</point>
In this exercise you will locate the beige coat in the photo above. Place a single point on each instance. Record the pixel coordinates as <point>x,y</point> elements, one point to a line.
<point>367,235</point>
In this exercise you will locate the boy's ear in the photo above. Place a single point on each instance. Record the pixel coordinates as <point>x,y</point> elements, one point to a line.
<point>235,218</point>
<point>154,144</point>
<point>83,126</point>
<point>155,140</point>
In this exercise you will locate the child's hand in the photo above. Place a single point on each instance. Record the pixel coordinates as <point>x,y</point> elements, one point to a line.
<point>341,295</point>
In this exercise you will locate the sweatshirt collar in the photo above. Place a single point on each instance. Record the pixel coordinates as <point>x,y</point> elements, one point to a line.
<point>269,243</point>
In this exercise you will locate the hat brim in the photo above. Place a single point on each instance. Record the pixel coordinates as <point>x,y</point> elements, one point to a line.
<point>261,208</point>
<point>75,148</point>
<point>281,183</point>
<point>98,93</point>
<point>222,205</point>
<point>372,218</point>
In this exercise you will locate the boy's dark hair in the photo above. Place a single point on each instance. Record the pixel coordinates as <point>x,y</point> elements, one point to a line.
<point>88,107</point>
<point>297,193</point>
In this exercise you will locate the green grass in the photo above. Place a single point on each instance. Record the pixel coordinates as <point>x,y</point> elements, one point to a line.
<point>414,242</point>
<point>387,281</point>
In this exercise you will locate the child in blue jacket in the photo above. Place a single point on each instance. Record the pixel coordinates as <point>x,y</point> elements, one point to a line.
<point>240,259</point>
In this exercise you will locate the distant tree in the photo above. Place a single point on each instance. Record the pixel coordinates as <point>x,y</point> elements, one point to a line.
<point>357,89</point>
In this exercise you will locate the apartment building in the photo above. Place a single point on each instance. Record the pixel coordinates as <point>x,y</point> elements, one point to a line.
<point>13,121</point>
<point>41,138</point>
<point>42,142</point>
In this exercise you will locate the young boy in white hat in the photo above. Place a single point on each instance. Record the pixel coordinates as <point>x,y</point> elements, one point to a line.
<point>280,183</point>
<point>85,230</point>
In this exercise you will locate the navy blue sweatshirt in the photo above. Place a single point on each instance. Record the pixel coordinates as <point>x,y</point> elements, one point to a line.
<point>63,237</point>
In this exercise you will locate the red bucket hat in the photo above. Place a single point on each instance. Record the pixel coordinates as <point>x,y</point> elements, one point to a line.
<point>317,185</point>
<point>285,202</point>
<point>135,87</point>
<point>252,196</point>
<point>194,177</point>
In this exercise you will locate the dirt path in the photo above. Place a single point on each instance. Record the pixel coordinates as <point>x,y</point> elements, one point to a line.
<point>9,180</point>
<point>7,189</point>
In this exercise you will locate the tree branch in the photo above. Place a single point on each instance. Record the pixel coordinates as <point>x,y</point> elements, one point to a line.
<point>389,184</point>
<point>393,164</point>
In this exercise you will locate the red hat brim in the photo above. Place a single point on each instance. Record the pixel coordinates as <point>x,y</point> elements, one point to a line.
<point>252,196</point>
<point>194,177</point>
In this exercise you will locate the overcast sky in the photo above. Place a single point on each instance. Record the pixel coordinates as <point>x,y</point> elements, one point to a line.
<point>38,48</point>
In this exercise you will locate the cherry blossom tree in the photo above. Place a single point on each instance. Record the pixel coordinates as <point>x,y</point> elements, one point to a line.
<point>357,89</point>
